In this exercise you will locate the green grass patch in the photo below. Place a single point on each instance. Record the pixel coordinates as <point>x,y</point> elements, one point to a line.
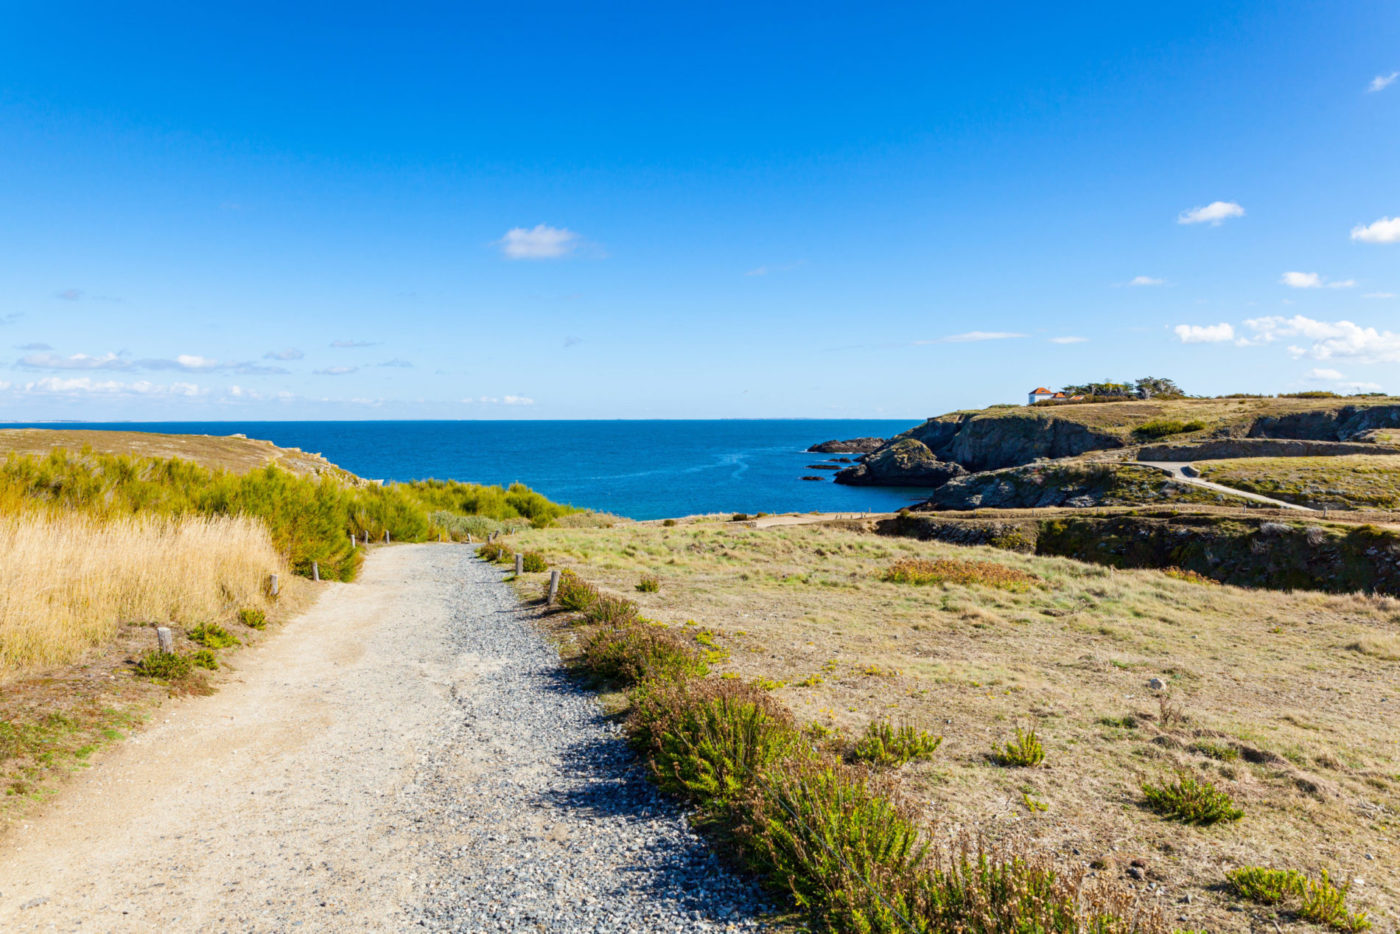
<point>1317,900</point>
<point>650,583</point>
<point>253,618</point>
<point>212,636</point>
<point>1191,800</point>
<point>163,666</point>
<point>954,571</point>
<point>1025,751</point>
<point>887,745</point>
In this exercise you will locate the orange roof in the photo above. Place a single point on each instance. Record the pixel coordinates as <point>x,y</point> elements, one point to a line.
<point>1042,391</point>
<point>1059,395</point>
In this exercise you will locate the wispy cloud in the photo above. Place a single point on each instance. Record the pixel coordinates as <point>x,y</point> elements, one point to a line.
<point>1381,82</point>
<point>1146,280</point>
<point>539,242</point>
<point>396,362</point>
<point>572,341</point>
<point>69,295</point>
<point>1068,340</point>
<point>1311,280</point>
<point>1214,213</point>
<point>1385,230</point>
<point>33,347</point>
<point>86,385</point>
<point>972,336</point>
<point>498,400</point>
<point>1204,334</point>
<point>1328,340</point>
<point>346,344</point>
<point>1379,295</point>
<point>337,371</point>
<point>77,361</point>
<point>1320,373</point>
<point>291,353</point>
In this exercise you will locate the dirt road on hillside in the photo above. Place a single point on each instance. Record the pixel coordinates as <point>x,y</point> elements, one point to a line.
<point>406,755</point>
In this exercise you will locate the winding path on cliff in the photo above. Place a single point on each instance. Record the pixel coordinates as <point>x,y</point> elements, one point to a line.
<point>406,755</point>
<point>1184,472</point>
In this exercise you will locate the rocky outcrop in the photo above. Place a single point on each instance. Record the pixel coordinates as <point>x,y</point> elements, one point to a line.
<point>1345,423</point>
<point>904,462</point>
<point>1258,447</point>
<point>991,441</point>
<point>851,446</point>
<point>1074,485</point>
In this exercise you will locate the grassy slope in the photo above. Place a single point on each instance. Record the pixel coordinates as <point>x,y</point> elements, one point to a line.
<point>1355,481</point>
<point>1121,418</point>
<point>1295,679</point>
<point>239,455</point>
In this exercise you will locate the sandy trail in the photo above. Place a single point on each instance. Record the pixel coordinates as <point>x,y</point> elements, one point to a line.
<point>404,756</point>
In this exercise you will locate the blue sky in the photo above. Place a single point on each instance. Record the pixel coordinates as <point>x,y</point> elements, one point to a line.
<point>655,210</point>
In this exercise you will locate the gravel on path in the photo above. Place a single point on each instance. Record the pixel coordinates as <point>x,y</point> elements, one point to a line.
<point>408,755</point>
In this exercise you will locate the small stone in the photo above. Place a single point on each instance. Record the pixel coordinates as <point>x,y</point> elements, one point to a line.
<point>1135,871</point>
<point>1157,684</point>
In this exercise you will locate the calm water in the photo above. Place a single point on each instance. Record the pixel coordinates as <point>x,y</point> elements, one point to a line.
<point>642,469</point>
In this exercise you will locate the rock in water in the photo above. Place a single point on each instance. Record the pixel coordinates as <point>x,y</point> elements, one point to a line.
<point>851,446</point>
<point>904,463</point>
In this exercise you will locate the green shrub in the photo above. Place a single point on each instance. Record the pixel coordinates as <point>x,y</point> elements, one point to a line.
<point>165,666</point>
<point>608,610</point>
<point>204,658</point>
<point>1191,800</point>
<point>885,745</point>
<point>494,552</point>
<point>532,562</point>
<point>710,740</point>
<point>1218,751</point>
<point>739,517</point>
<point>669,523</point>
<point>1025,752</point>
<point>212,636</point>
<point>575,593</point>
<point>1318,901</point>
<point>954,571</point>
<point>1163,427</point>
<point>635,651</point>
<point>650,583</point>
<point>253,618</point>
<point>458,527</point>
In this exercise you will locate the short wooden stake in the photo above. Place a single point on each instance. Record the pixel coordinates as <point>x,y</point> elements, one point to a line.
<point>272,585</point>
<point>165,640</point>
<point>352,541</point>
<point>315,571</point>
<point>553,587</point>
<point>469,538</point>
<point>519,564</point>
<point>366,536</point>
<point>386,536</point>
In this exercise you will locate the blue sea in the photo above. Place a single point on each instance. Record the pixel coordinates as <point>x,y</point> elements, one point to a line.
<point>641,469</point>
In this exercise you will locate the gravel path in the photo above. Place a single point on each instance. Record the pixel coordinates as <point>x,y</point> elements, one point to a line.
<point>405,756</point>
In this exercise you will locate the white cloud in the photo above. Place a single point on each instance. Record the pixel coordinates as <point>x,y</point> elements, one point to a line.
<point>336,370</point>
<point>343,345</point>
<point>1068,340</point>
<point>1311,280</point>
<point>1381,82</point>
<point>78,361</point>
<point>971,336</point>
<point>1213,213</point>
<point>86,385</point>
<point>1204,334</point>
<point>1146,280</point>
<point>518,400</point>
<point>1385,230</point>
<point>1362,387</point>
<point>1329,339</point>
<point>1302,280</point>
<point>540,242</point>
<point>291,353</point>
<point>498,400</point>
<point>1319,373</point>
<point>191,361</point>
<point>1379,295</point>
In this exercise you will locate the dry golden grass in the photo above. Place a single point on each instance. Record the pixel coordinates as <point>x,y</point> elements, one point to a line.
<point>68,582</point>
<point>1287,702</point>
<point>239,455</point>
<point>1362,481</point>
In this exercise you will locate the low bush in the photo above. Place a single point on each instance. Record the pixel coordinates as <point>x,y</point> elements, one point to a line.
<point>1317,900</point>
<point>608,610</point>
<point>1217,751</point>
<point>493,551</point>
<point>212,636</point>
<point>1191,800</point>
<point>884,744</point>
<point>953,571</point>
<point>1192,577</point>
<point>635,651</point>
<point>575,593</point>
<point>1024,752</point>
<point>669,523</point>
<point>532,562</point>
<point>204,658</point>
<point>1163,427</point>
<point>739,517</point>
<point>649,584</point>
<point>710,740</point>
<point>253,618</point>
<point>458,527</point>
<point>163,666</point>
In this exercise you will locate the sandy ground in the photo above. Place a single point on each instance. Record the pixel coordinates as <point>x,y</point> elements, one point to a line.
<point>273,803</point>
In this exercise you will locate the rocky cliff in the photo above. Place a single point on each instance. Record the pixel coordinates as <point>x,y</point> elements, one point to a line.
<point>903,462</point>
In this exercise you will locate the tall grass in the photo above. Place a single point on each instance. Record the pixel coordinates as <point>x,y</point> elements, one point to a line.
<point>67,581</point>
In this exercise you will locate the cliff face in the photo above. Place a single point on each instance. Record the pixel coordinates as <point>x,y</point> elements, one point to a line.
<point>1074,484</point>
<point>978,441</point>
<point>1340,424</point>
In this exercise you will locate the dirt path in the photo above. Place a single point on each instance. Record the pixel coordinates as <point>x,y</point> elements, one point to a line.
<point>1183,472</point>
<point>323,788</point>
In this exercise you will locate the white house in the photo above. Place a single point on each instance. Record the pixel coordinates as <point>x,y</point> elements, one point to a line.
<point>1041,394</point>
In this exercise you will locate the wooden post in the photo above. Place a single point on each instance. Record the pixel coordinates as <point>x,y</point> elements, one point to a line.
<point>315,571</point>
<point>469,538</point>
<point>519,564</point>
<point>553,587</point>
<point>386,536</point>
<point>272,586</point>
<point>352,541</point>
<point>165,641</point>
<point>366,536</point>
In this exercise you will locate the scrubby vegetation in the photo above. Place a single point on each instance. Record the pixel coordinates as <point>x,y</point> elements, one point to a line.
<point>1024,752</point>
<point>1191,800</point>
<point>952,571</point>
<point>1353,481</point>
<point>887,745</point>
<point>1165,427</point>
<point>1317,900</point>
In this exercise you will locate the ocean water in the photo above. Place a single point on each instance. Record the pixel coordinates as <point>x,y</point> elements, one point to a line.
<point>641,469</point>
